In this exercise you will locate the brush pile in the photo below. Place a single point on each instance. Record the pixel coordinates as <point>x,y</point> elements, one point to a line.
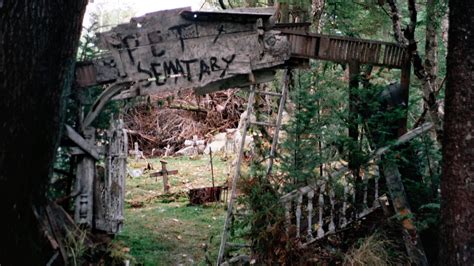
<point>166,121</point>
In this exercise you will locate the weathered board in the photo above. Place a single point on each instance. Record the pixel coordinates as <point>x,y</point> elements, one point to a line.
<point>85,173</point>
<point>344,49</point>
<point>179,49</point>
<point>102,71</point>
<point>110,185</point>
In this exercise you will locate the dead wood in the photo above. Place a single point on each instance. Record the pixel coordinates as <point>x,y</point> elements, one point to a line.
<point>155,125</point>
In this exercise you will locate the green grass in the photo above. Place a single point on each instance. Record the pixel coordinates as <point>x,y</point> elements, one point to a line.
<point>166,230</point>
<point>192,173</point>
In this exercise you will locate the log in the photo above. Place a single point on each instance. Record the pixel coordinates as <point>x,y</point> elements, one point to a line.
<point>187,107</point>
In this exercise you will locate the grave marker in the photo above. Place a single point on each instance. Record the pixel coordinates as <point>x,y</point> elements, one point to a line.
<point>164,172</point>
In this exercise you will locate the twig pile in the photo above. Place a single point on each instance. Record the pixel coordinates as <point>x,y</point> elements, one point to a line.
<point>171,119</point>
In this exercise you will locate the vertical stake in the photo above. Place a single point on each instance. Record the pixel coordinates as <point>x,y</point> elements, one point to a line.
<point>164,172</point>
<point>214,194</point>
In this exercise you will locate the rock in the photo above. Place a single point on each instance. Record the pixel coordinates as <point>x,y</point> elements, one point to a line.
<point>217,143</point>
<point>187,151</point>
<point>216,146</point>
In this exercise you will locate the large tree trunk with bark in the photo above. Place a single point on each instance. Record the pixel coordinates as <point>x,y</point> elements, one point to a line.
<point>457,183</point>
<point>38,41</point>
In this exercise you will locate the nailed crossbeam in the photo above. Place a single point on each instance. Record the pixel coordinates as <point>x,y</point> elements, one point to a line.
<point>81,142</point>
<point>160,173</point>
<point>164,173</point>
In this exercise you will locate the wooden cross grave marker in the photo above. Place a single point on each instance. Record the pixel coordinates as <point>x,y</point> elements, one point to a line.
<point>164,172</point>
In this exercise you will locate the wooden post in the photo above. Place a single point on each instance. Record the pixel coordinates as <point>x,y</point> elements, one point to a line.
<point>214,193</point>
<point>233,194</point>
<point>400,204</point>
<point>84,183</point>
<point>164,172</point>
<point>109,185</point>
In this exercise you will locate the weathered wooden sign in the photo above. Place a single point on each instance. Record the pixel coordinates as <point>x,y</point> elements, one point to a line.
<point>179,49</point>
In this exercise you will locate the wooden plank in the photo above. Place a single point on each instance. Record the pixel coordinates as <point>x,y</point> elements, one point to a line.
<point>233,15</point>
<point>98,72</point>
<point>76,151</point>
<point>406,137</point>
<point>103,98</point>
<point>81,142</point>
<point>236,176</point>
<point>213,48</point>
<point>172,50</point>
<point>109,188</point>
<point>400,204</point>
<point>169,172</point>
<point>85,173</point>
<point>345,49</point>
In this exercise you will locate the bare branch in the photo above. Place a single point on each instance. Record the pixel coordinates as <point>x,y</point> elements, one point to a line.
<point>397,30</point>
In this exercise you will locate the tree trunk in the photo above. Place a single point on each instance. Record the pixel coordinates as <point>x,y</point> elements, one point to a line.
<point>285,12</point>
<point>457,183</point>
<point>317,7</point>
<point>430,84</point>
<point>38,41</point>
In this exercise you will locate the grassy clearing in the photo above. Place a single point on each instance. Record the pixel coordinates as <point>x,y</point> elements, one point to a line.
<point>166,230</point>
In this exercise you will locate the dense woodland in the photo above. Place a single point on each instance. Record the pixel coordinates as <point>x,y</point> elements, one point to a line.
<point>334,117</point>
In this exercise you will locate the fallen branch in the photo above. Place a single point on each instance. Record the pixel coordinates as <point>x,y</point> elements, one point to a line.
<point>186,107</point>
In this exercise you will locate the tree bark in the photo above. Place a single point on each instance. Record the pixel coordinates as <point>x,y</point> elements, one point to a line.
<point>317,7</point>
<point>285,12</point>
<point>38,41</point>
<point>430,84</point>
<point>457,183</point>
<point>407,39</point>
